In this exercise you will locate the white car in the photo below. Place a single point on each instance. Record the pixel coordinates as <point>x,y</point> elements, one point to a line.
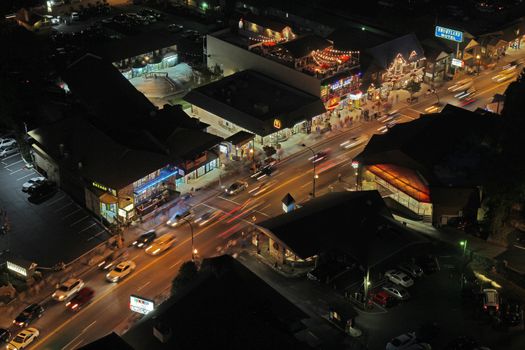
<point>6,142</point>
<point>120,271</point>
<point>402,341</point>
<point>396,291</point>
<point>399,277</point>
<point>31,182</point>
<point>7,151</point>
<point>23,339</point>
<point>161,244</point>
<point>412,269</point>
<point>68,289</point>
<point>382,129</point>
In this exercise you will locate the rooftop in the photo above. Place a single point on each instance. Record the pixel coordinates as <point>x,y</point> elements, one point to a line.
<point>252,101</point>
<point>456,160</point>
<point>227,307</point>
<point>356,223</point>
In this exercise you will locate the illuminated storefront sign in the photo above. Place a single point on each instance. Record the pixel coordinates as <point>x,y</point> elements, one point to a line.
<point>449,34</point>
<point>277,123</point>
<point>99,186</point>
<point>340,83</point>
<point>457,63</point>
<point>141,305</point>
<point>17,269</point>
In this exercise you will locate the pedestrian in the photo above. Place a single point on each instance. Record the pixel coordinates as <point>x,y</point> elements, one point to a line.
<point>397,97</point>
<point>339,176</point>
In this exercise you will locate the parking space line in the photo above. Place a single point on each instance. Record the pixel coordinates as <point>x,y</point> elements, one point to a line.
<point>73,212</point>
<point>14,172</point>
<point>65,206</point>
<point>8,165</point>
<point>55,200</point>
<point>23,177</point>
<point>87,228</point>
<point>79,220</point>
<point>11,156</point>
<point>95,236</point>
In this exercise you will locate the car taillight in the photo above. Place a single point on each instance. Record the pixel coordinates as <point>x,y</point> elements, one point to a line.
<point>485,307</point>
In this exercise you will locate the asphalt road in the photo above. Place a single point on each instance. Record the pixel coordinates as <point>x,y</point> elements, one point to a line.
<point>109,309</point>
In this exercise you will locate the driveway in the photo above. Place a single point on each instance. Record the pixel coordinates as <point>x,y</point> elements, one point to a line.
<point>55,230</point>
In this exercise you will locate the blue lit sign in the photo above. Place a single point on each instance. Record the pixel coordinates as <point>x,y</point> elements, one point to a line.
<point>449,34</point>
<point>155,182</point>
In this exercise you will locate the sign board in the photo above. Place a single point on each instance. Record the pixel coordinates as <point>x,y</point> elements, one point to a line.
<point>141,305</point>
<point>449,34</point>
<point>19,269</point>
<point>277,123</point>
<point>457,63</point>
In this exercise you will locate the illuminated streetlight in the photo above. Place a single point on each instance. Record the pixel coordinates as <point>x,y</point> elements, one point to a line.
<point>314,174</point>
<point>464,245</point>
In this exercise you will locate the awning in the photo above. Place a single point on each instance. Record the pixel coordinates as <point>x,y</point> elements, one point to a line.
<point>240,138</point>
<point>404,182</point>
<point>107,198</point>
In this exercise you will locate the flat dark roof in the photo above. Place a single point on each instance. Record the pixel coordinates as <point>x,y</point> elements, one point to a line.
<point>356,223</point>
<point>226,307</point>
<point>303,46</point>
<point>252,101</point>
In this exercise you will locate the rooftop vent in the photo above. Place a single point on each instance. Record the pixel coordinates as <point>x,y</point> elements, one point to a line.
<point>262,108</point>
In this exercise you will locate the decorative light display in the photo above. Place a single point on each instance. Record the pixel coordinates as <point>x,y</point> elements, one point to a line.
<point>330,57</point>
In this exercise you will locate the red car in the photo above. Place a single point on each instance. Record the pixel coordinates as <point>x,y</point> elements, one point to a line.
<point>383,298</point>
<point>83,297</point>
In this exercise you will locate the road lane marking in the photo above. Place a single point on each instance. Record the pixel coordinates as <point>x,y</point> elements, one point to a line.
<point>111,290</point>
<point>173,265</point>
<point>23,177</point>
<point>91,324</point>
<point>73,212</point>
<point>229,200</point>
<point>11,156</point>
<point>55,200</point>
<point>77,344</point>
<point>75,338</point>
<point>144,285</point>
<point>96,235</point>
<point>63,207</point>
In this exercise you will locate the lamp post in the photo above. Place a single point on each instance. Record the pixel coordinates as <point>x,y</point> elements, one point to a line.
<point>193,250</point>
<point>433,91</point>
<point>464,245</point>
<point>478,62</point>
<point>315,175</point>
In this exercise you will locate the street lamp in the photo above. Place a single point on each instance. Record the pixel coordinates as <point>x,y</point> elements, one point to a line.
<point>478,61</point>
<point>464,245</point>
<point>433,91</point>
<point>314,175</point>
<point>193,250</point>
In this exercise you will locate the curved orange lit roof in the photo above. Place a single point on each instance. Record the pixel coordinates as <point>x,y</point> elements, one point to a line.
<point>403,179</point>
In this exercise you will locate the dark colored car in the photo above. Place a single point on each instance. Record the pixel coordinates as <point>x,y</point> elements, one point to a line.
<point>83,297</point>
<point>428,263</point>
<point>325,272</point>
<point>42,190</point>
<point>30,313</point>
<point>511,313</point>
<point>4,335</point>
<point>144,239</point>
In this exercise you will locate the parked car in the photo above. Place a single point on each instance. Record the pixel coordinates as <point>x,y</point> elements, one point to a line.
<point>412,269</point>
<point>428,263</point>
<point>396,291</point>
<point>42,190</point>
<point>28,315</point>
<point>144,239</point>
<point>161,244</point>
<point>175,28</point>
<point>23,339</point>
<point>263,171</point>
<point>4,335</point>
<point>84,296</point>
<point>491,300</point>
<point>399,277</point>
<point>236,187</point>
<point>7,142</point>
<point>383,298</point>
<point>32,182</point>
<point>121,270</point>
<point>511,313</point>
<point>419,346</point>
<point>181,218</point>
<point>68,289</point>
<point>402,342</point>
<point>9,150</point>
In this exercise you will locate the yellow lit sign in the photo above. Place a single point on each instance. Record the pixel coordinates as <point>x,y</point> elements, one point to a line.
<point>99,186</point>
<point>277,123</point>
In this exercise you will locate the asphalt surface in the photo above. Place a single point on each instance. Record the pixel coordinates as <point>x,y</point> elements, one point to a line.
<point>109,310</point>
<point>54,230</point>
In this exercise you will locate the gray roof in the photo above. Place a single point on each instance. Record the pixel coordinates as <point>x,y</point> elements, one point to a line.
<point>384,54</point>
<point>252,101</point>
<point>356,223</point>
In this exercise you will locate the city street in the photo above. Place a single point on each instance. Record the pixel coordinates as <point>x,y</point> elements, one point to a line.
<point>110,310</point>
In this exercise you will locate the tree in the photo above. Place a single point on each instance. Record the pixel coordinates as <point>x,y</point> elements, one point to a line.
<point>269,150</point>
<point>413,87</point>
<point>187,272</point>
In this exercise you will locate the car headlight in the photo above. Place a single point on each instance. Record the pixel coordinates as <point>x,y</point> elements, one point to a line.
<point>140,245</point>
<point>61,297</point>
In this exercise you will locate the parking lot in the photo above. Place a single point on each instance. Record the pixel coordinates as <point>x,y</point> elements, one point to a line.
<point>46,232</point>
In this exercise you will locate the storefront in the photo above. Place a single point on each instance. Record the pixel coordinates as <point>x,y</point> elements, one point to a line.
<point>238,146</point>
